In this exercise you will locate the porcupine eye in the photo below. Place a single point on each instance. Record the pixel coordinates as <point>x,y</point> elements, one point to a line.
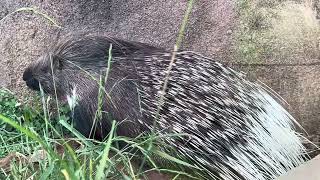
<point>57,62</point>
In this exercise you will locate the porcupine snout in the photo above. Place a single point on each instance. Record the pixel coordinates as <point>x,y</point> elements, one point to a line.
<point>31,82</point>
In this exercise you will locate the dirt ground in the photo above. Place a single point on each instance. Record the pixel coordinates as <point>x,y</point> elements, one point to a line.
<point>26,35</point>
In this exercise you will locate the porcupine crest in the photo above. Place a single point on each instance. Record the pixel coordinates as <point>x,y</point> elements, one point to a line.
<point>236,129</point>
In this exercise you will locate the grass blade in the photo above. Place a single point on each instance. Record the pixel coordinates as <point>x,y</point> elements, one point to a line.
<point>105,156</point>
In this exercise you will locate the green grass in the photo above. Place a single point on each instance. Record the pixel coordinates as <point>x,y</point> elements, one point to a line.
<point>23,116</point>
<point>93,160</point>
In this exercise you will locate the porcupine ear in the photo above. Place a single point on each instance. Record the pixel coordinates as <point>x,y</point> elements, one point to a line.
<point>57,62</point>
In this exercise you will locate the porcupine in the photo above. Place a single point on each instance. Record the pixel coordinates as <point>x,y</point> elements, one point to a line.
<point>236,129</point>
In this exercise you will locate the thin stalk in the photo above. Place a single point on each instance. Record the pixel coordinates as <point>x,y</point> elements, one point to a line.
<point>101,90</point>
<point>165,84</point>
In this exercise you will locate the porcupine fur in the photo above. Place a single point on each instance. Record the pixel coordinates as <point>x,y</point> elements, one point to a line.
<point>236,129</point>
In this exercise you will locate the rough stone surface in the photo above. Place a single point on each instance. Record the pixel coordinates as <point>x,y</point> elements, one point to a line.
<point>25,35</point>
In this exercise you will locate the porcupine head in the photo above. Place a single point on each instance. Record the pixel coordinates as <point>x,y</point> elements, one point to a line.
<point>77,66</point>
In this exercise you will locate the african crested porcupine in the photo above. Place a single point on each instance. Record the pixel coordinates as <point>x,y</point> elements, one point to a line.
<point>236,130</point>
